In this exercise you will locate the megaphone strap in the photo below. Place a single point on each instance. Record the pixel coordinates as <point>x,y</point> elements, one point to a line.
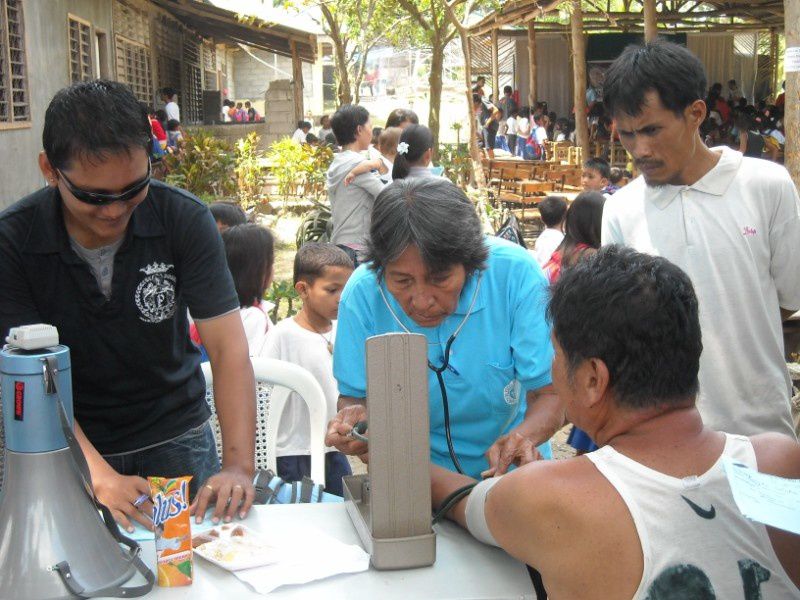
<point>82,467</point>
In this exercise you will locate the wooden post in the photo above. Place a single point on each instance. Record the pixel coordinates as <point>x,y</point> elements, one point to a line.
<point>532,83</point>
<point>579,69</point>
<point>297,82</point>
<point>792,106</point>
<point>650,23</point>
<point>495,68</point>
<point>774,84</point>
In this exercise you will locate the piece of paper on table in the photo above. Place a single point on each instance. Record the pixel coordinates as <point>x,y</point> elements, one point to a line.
<point>308,554</point>
<point>774,501</point>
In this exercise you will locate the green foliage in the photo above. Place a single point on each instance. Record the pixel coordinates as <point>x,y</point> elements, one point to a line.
<point>204,166</point>
<point>457,163</point>
<point>279,292</point>
<point>300,169</point>
<point>251,174</point>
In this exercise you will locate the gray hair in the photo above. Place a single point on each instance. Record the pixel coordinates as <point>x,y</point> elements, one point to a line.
<point>434,215</point>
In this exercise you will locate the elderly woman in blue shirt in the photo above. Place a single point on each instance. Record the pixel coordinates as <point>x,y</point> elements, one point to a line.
<point>432,271</point>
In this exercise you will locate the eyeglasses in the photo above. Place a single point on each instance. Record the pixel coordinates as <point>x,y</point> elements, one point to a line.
<point>99,199</point>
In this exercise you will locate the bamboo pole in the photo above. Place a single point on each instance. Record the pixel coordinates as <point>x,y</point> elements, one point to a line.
<point>297,82</point>
<point>579,70</point>
<point>773,63</point>
<point>650,23</point>
<point>533,88</point>
<point>495,67</point>
<point>792,105</point>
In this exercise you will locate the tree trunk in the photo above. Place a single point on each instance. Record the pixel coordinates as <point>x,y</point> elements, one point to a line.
<point>532,85</point>
<point>435,85</point>
<point>342,75</point>
<point>579,69</point>
<point>650,23</point>
<point>792,106</point>
<point>773,65</point>
<point>297,83</point>
<point>495,66</point>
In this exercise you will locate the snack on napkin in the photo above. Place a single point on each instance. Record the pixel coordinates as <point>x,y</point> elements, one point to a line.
<point>235,547</point>
<point>173,530</point>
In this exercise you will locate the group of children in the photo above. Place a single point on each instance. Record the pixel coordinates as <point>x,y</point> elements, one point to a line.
<point>321,271</point>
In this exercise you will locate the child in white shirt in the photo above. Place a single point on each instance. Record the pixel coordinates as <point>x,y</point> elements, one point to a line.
<point>307,339</point>
<point>511,131</point>
<point>553,211</point>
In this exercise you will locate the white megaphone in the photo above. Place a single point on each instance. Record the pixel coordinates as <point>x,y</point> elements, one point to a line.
<point>53,542</point>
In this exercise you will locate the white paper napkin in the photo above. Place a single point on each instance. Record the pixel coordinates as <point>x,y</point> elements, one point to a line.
<point>308,554</point>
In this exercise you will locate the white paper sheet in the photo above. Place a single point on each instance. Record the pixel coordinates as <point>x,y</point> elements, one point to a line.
<point>308,554</point>
<point>768,499</point>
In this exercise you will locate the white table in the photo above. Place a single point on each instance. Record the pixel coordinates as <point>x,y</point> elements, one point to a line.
<point>464,568</point>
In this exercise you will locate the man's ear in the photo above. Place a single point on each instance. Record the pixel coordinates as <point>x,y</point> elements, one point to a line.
<point>593,378</point>
<point>47,170</point>
<point>696,112</point>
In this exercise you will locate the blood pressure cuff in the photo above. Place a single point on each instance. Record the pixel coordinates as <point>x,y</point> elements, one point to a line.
<point>476,517</point>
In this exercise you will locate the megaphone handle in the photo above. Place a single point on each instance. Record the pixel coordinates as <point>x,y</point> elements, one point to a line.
<point>51,368</point>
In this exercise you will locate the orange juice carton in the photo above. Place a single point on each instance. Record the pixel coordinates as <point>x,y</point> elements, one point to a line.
<point>173,530</point>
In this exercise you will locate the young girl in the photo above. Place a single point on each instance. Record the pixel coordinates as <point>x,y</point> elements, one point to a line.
<point>581,238</point>
<point>414,152</point>
<point>581,233</point>
<point>249,249</point>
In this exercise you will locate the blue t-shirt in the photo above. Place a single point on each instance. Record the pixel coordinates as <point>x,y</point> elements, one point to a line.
<point>502,351</point>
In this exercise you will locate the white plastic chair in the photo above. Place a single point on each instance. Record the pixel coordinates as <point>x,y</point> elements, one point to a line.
<point>275,381</point>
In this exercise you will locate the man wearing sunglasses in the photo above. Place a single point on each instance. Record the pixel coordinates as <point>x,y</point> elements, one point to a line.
<point>114,260</point>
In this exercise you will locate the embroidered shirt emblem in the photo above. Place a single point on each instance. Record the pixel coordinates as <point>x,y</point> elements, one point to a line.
<point>155,294</point>
<point>749,231</point>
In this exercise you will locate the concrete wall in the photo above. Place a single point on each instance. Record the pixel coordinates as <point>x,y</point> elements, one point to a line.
<point>253,76</point>
<point>46,45</point>
<point>279,123</point>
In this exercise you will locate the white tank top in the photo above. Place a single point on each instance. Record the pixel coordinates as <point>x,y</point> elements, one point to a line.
<point>695,542</point>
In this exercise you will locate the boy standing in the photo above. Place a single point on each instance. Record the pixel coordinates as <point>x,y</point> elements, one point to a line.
<point>320,274</point>
<point>595,176</point>
<point>553,210</point>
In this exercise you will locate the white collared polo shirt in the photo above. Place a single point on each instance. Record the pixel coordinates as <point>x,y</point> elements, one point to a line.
<point>736,233</point>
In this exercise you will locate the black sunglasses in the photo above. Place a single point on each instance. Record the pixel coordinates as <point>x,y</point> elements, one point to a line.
<point>99,199</point>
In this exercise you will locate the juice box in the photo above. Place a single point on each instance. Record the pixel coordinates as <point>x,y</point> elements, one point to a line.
<point>173,530</point>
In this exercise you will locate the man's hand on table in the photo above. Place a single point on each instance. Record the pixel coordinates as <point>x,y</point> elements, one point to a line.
<point>119,493</point>
<point>513,448</point>
<point>232,492</point>
<point>340,427</point>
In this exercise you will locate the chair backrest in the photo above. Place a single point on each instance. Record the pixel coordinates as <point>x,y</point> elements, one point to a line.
<point>275,381</point>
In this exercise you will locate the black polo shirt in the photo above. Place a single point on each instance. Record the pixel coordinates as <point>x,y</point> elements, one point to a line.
<point>136,375</point>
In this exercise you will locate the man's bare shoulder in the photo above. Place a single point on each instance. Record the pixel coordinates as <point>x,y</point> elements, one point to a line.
<point>777,454</point>
<point>555,491</point>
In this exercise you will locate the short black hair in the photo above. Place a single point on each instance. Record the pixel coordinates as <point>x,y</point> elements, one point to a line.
<point>312,258</point>
<point>346,121</point>
<point>401,115</point>
<point>615,175</point>
<point>670,70</point>
<point>250,250</point>
<point>600,165</point>
<point>431,213</point>
<point>481,78</point>
<point>228,213</point>
<point>168,91</point>
<point>553,209</point>
<point>508,89</point>
<point>94,119</point>
<point>638,314</point>
<point>476,99</point>
<point>173,124</point>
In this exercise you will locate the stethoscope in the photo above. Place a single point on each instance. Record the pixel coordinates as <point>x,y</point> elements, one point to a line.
<point>444,366</point>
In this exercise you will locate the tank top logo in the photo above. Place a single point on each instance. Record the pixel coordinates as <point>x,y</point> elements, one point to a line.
<point>155,295</point>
